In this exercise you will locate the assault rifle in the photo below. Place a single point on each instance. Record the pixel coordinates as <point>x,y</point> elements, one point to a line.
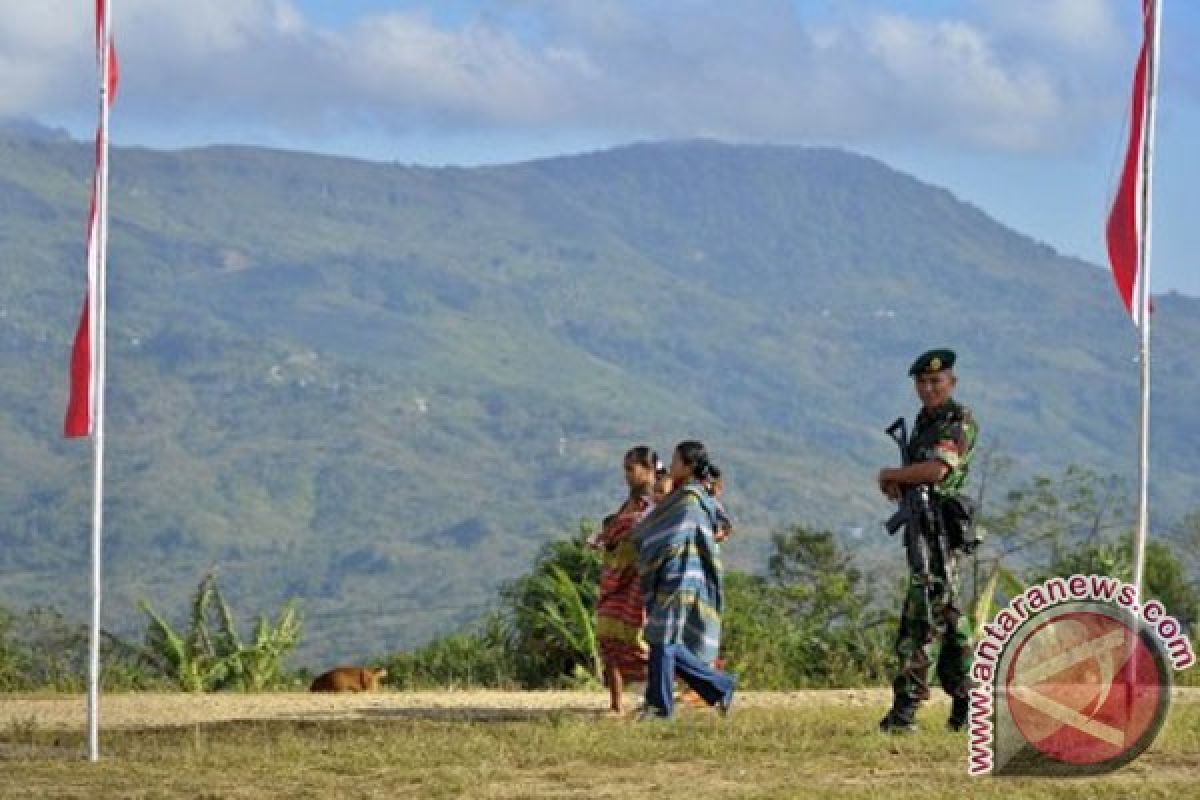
<point>924,539</point>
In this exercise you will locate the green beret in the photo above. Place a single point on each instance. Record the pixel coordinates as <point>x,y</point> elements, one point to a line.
<point>931,362</point>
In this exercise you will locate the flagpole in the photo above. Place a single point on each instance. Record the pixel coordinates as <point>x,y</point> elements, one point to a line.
<point>1143,300</point>
<point>99,322</point>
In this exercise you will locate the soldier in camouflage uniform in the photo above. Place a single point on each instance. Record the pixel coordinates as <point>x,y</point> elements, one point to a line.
<point>939,454</point>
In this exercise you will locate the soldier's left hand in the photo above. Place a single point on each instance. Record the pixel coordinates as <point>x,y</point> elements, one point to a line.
<point>890,488</point>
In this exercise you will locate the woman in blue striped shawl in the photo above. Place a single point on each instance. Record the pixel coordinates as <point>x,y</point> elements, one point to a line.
<point>681,585</point>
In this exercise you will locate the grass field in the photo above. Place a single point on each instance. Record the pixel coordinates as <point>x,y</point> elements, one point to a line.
<point>525,745</point>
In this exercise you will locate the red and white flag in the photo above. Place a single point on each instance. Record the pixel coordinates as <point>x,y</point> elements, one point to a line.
<point>1124,231</point>
<point>80,418</point>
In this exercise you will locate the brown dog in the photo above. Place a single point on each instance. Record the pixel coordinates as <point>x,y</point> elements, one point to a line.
<point>349,679</point>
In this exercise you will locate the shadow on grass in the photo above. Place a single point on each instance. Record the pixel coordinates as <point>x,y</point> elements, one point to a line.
<point>13,751</point>
<point>29,743</point>
<point>458,714</point>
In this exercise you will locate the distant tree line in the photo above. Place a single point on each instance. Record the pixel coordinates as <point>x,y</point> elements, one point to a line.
<point>812,619</point>
<point>40,649</point>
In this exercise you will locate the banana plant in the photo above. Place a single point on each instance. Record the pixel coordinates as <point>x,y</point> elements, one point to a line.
<point>260,666</point>
<point>564,616</point>
<point>185,657</point>
<point>211,655</point>
<point>1001,582</point>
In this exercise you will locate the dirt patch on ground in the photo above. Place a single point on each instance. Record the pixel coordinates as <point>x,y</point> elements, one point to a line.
<point>68,712</point>
<point>141,710</point>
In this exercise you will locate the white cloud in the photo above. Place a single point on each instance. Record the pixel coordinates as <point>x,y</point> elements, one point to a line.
<point>39,51</point>
<point>1082,27</point>
<point>947,77</point>
<point>1001,75</point>
<point>402,66</point>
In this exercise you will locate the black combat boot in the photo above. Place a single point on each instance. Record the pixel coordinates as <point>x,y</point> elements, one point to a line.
<point>958,715</point>
<point>898,720</point>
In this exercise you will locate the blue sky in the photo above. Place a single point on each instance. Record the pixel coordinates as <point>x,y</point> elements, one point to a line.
<point>1017,106</point>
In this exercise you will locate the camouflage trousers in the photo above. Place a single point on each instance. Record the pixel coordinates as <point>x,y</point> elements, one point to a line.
<point>920,647</point>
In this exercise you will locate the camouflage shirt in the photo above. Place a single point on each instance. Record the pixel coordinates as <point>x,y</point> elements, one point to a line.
<point>947,435</point>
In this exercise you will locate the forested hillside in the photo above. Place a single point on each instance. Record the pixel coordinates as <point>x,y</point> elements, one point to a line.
<point>379,388</point>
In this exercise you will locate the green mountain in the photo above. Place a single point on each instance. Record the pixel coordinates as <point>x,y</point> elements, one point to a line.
<point>379,388</point>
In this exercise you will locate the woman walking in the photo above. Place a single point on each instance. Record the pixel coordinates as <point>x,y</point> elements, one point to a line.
<point>620,612</point>
<point>681,584</point>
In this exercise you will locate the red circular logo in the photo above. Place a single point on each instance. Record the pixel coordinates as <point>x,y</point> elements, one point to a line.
<point>1085,687</point>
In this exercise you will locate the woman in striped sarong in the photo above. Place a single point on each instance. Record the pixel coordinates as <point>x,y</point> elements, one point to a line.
<point>620,613</point>
<point>682,584</point>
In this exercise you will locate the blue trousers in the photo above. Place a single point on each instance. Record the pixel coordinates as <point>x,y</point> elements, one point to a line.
<point>667,661</point>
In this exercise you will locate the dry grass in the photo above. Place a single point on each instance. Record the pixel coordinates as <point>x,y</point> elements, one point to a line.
<point>522,745</point>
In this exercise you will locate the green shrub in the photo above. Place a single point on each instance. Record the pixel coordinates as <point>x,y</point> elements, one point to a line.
<point>480,658</point>
<point>40,649</point>
<point>809,624</point>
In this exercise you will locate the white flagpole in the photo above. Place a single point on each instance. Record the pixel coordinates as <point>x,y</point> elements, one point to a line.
<point>1143,300</point>
<point>99,303</point>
